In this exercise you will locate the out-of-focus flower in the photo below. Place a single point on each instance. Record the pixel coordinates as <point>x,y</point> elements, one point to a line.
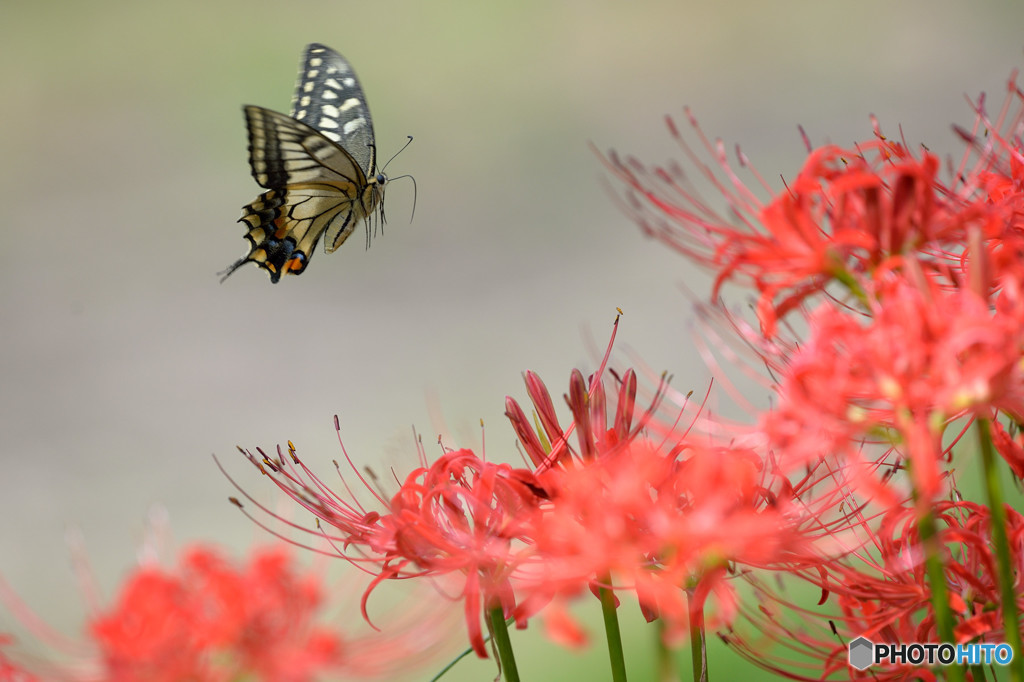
<point>919,359</point>
<point>258,617</point>
<point>212,619</point>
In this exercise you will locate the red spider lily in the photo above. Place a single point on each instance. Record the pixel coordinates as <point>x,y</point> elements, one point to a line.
<point>212,619</point>
<point>168,626</point>
<point>459,520</point>
<point>911,291</point>
<point>881,593</point>
<point>550,446</point>
<point>604,499</point>
<point>594,435</point>
<point>924,356</point>
<point>663,526</point>
<point>467,517</point>
<point>848,214</point>
<point>638,504</point>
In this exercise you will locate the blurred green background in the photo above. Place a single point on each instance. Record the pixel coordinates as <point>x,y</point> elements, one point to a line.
<point>123,169</point>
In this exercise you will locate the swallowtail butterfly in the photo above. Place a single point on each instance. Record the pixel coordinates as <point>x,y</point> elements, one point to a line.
<point>319,167</point>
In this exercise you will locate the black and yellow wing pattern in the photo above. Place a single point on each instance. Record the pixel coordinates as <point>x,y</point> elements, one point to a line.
<point>319,167</point>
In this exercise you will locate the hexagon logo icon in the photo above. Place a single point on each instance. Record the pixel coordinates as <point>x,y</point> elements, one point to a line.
<point>862,652</point>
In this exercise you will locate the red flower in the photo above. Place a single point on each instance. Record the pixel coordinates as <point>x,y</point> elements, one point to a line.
<point>910,285</point>
<point>459,520</point>
<point>882,593</point>
<point>462,517</point>
<point>639,505</point>
<point>658,523</point>
<point>211,619</point>
<point>923,357</point>
<point>849,216</point>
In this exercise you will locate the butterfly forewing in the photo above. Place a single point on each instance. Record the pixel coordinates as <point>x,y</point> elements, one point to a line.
<point>328,97</point>
<point>318,167</point>
<point>284,151</point>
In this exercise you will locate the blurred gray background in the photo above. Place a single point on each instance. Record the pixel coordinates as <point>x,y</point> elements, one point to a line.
<point>123,168</point>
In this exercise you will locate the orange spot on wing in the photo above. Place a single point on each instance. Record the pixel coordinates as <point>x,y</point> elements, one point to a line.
<point>281,228</point>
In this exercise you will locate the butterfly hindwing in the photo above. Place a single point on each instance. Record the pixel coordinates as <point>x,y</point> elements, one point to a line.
<point>318,165</point>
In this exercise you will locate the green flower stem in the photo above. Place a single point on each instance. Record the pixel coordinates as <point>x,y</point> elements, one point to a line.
<point>698,648</point>
<point>933,561</point>
<point>499,635</point>
<point>611,629</point>
<point>665,657</point>
<point>1011,619</point>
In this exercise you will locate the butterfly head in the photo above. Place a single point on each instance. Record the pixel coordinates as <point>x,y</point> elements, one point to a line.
<point>378,182</point>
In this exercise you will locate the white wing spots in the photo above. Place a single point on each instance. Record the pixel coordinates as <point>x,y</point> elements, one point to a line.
<point>329,94</point>
<point>304,101</point>
<point>330,110</point>
<point>349,82</point>
<point>296,165</point>
<point>301,115</point>
<point>312,73</point>
<point>331,135</point>
<point>331,83</point>
<point>330,123</point>
<point>308,87</point>
<point>353,125</point>
<point>316,61</point>
<point>350,103</point>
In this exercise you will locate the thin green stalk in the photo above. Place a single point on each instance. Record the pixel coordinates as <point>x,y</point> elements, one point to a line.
<point>611,629</point>
<point>933,561</point>
<point>1001,544</point>
<point>666,659</point>
<point>698,645</point>
<point>499,635</point>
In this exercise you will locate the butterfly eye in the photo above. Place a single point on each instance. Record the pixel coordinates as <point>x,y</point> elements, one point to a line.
<point>381,178</point>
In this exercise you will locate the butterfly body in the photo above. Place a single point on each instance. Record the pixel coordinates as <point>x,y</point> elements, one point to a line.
<point>318,165</point>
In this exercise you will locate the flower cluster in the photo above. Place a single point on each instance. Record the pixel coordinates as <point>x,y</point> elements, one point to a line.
<point>606,503</point>
<point>213,619</point>
<point>891,321</point>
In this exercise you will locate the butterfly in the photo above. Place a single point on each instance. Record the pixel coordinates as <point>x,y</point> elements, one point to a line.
<point>318,165</point>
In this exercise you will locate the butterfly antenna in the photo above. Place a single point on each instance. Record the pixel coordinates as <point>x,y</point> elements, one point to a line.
<point>407,143</point>
<point>414,191</point>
